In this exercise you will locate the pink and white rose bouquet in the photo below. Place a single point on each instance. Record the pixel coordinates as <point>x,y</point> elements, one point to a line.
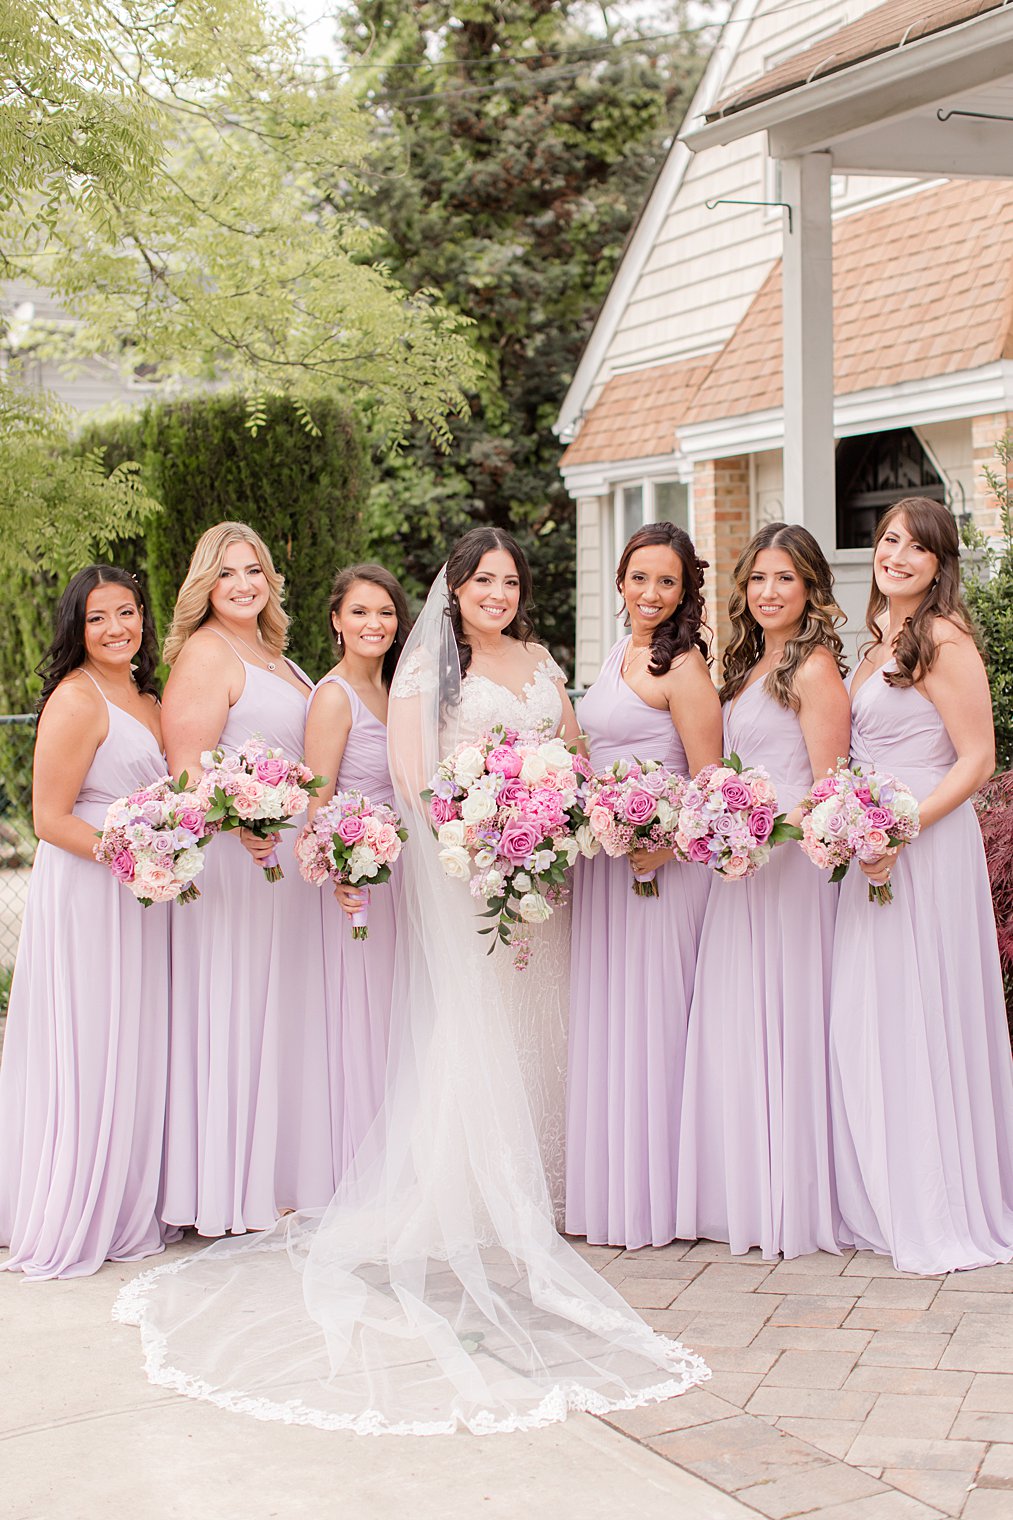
<point>257,788</point>
<point>857,814</point>
<point>351,841</point>
<point>728,820</point>
<point>508,812</point>
<point>634,805</point>
<point>152,842</point>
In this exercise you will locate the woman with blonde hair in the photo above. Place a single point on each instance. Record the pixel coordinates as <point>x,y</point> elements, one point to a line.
<point>754,1150</point>
<point>249,1102</point>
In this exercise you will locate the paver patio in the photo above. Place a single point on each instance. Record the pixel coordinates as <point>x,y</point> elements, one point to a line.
<point>841,1388</point>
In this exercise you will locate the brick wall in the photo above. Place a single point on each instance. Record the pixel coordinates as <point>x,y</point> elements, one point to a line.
<point>720,530</point>
<point>985,434</point>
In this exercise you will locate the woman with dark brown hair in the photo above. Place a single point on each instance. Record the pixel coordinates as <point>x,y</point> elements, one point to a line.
<point>346,742</point>
<point>921,1084</point>
<point>754,1152</point>
<point>634,957</point>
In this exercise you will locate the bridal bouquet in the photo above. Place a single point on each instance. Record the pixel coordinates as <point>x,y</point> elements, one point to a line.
<point>634,805</point>
<point>351,840</point>
<point>257,789</point>
<point>508,811</point>
<point>857,814</point>
<point>152,842</point>
<point>727,819</point>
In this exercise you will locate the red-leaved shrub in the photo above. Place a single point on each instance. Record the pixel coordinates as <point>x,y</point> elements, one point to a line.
<point>994,806</point>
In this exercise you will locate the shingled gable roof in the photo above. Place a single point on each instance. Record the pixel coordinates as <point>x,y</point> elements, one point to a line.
<point>923,286</point>
<point>636,415</point>
<point>885,29</point>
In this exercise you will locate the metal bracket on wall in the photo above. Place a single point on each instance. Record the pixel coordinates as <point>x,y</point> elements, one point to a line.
<point>725,201</point>
<point>977,115</point>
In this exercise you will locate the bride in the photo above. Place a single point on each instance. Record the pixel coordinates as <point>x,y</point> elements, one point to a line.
<point>433,1293</point>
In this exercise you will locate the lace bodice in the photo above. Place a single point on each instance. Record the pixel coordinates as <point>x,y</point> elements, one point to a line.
<point>484,703</point>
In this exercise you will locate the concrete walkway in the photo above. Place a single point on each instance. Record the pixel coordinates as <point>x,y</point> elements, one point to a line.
<point>842,1390</point>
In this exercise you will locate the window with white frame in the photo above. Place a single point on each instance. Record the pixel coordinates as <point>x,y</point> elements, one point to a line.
<point>636,502</point>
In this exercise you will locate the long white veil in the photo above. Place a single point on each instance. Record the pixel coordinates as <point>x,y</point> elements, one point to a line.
<point>433,1293</point>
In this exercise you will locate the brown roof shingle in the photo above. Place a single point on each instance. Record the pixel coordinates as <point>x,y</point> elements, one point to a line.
<point>889,26</point>
<point>637,414</point>
<point>923,286</point>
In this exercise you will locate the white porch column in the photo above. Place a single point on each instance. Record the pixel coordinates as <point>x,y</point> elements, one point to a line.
<point>809,348</point>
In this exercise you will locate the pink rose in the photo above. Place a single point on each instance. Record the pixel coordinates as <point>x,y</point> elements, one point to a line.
<point>388,845</point>
<point>735,866</point>
<point>351,829</point>
<point>518,840</point>
<point>192,820</point>
<point>271,772</point>
<point>699,850</point>
<point>512,794</point>
<point>600,819</point>
<point>245,804</point>
<point>877,842</point>
<point>761,823</point>
<point>504,761</point>
<point>122,865</point>
<point>638,807</point>
<point>878,818</point>
<point>294,803</point>
<point>441,810</point>
<point>736,793</point>
<point>824,789</point>
<point>864,795</point>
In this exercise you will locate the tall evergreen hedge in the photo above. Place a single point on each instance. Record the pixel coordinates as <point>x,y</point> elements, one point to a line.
<point>303,493</point>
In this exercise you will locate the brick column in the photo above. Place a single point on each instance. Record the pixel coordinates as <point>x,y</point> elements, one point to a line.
<point>985,434</point>
<point>721,530</point>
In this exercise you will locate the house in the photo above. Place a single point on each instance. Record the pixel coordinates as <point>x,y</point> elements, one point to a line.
<point>814,313</point>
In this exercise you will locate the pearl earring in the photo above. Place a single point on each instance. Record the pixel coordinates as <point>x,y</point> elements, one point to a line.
<point>337,635</point>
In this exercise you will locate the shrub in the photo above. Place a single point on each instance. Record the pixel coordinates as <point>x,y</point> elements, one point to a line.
<point>994,805</point>
<point>989,590</point>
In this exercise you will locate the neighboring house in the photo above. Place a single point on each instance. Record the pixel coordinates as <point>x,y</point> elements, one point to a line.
<point>676,409</point>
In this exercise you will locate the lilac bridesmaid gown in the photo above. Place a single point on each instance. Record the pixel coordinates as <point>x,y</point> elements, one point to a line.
<point>754,1161</point>
<point>631,978</point>
<point>82,1083</point>
<point>359,973</point>
<point>921,1082</point>
<point>248,1124</point>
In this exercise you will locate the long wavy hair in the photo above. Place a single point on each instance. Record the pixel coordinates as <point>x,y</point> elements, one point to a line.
<point>67,650</point>
<point>376,575</point>
<point>193,604</point>
<point>817,628</point>
<point>687,627</point>
<point>462,562</point>
<point>934,527</point>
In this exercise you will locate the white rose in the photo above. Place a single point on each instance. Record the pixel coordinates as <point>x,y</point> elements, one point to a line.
<point>522,881</point>
<point>534,769</point>
<point>493,883</point>
<point>533,908</point>
<point>456,862</point>
<point>570,849</point>
<point>451,835</point>
<point>586,842</point>
<point>904,805</point>
<point>667,814</point>
<point>469,765</point>
<point>820,813</point>
<point>362,862</point>
<point>477,806</point>
<point>189,864</point>
<point>723,773</point>
<point>556,755</point>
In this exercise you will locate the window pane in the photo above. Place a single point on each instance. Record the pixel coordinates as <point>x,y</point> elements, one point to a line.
<point>633,510</point>
<point>671,503</point>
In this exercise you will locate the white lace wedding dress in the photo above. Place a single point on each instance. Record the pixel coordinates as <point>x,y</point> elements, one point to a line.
<point>434,1293</point>
<point>537,998</point>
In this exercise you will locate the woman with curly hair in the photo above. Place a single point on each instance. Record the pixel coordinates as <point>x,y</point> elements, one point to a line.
<point>634,957</point>
<point>754,1152</point>
<point>921,1085</point>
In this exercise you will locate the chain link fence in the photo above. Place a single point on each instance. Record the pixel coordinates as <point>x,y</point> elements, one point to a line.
<point>17,839</point>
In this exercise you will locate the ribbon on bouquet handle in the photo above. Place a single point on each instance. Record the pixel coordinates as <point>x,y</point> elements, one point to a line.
<point>360,919</point>
<point>272,867</point>
<point>644,884</point>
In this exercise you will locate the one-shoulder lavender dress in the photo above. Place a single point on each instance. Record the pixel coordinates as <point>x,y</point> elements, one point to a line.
<point>248,1124</point>
<point>82,1082</point>
<point>754,1159</point>
<point>359,973</point>
<point>632,965</point>
<point>921,1077</point>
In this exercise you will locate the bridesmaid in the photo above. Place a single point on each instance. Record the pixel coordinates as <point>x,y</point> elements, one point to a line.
<point>754,1151</point>
<point>921,1086</point>
<point>634,957</point>
<point>82,1084</point>
<point>249,1103</point>
<point>346,737</point>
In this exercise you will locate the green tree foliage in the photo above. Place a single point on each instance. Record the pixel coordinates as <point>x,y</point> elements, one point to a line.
<point>520,147</point>
<point>989,591</point>
<point>302,492</point>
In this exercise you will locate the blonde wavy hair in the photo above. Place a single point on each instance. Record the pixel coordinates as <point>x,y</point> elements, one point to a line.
<point>193,604</point>
<point>818,627</point>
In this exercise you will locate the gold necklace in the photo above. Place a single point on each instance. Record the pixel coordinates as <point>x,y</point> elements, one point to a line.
<point>628,663</point>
